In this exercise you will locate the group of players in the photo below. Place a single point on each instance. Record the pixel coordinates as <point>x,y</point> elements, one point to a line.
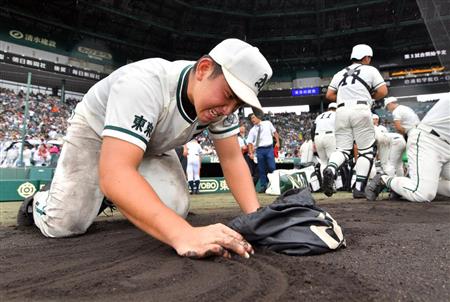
<point>350,125</point>
<point>121,139</point>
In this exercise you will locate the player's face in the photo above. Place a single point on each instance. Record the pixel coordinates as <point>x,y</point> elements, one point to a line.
<point>390,107</point>
<point>375,122</point>
<point>255,120</point>
<point>214,98</point>
<point>242,130</point>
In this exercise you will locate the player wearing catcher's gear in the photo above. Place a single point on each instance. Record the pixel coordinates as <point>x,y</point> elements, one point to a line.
<point>193,151</point>
<point>121,140</point>
<point>324,139</point>
<point>404,117</point>
<point>353,89</point>
<point>428,159</point>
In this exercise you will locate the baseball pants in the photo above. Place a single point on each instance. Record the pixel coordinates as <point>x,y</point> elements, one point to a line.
<point>325,146</point>
<point>193,168</point>
<point>72,203</point>
<point>429,168</point>
<point>391,156</point>
<point>354,123</point>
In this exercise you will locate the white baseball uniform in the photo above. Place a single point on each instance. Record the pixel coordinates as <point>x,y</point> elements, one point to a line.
<point>354,118</point>
<point>193,160</point>
<point>407,117</point>
<point>428,157</point>
<point>324,138</point>
<point>144,103</point>
<point>390,149</point>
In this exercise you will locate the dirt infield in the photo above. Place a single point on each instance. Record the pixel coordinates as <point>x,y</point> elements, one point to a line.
<point>397,251</point>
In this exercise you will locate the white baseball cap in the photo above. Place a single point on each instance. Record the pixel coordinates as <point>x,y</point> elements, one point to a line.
<point>375,116</point>
<point>245,69</point>
<point>389,100</point>
<point>360,51</point>
<point>332,105</point>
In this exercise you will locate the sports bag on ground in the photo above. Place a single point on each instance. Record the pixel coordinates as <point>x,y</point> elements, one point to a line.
<point>291,225</point>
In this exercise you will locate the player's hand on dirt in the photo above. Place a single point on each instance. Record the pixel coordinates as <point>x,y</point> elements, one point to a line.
<point>213,240</point>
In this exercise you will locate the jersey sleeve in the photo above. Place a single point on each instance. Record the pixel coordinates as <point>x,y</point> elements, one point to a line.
<point>334,82</point>
<point>397,114</point>
<point>225,127</point>
<point>132,111</point>
<point>377,79</point>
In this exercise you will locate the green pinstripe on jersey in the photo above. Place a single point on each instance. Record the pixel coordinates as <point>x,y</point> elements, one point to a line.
<point>224,131</point>
<point>127,132</point>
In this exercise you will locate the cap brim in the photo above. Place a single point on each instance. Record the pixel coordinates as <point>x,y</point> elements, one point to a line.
<point>246,94</point>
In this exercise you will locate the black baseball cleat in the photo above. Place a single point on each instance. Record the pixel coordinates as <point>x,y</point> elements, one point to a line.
<point>25,214</point>
<point>374,187</point>
<point>357,194</point>
<point>328,182</point>
<point>106,203</point>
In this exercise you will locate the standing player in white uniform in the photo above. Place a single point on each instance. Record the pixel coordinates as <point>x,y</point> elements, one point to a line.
<point>192,151</point>
<point>428,159</point>
<point>404,117</point>
<point>121,140</point>
<point>353,89</point>
<point>324,139</point>
<point>390,149</point>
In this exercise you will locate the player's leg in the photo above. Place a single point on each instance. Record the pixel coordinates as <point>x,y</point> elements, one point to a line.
<point>384,152</point>
<point>196,170</point>
<point>364,135</point>
<point>71,204</point>
<point>190,175</point>
<point>344,146</point>
<point>322,152</point>
<point>165,175</point>
<point>396,154</point>
<point>422,183</point>
<point>444,182</point>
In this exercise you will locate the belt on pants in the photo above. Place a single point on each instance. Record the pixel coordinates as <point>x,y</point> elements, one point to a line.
<point>431,131</point>
<point>326,132</point>
<point>270,146</point>
<point>357,103</point>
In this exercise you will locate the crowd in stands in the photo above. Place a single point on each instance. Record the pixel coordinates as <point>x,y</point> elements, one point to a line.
<point>46,125</point>
<point>48,117</point>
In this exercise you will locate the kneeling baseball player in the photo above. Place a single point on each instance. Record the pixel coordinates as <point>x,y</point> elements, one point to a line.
<point>120,144</point>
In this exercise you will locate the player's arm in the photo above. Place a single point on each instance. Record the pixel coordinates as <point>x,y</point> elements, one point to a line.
<point>121,182</point>
<point>398,127</point>
<point>331,95</point>
<point>380,92</point>
<point>250,144</point>
<point>237,173</point>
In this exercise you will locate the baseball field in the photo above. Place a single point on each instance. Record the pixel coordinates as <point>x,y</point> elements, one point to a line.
<point>396,251</point>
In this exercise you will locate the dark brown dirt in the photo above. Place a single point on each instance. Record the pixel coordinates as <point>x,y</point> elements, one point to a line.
<point>397,251</point>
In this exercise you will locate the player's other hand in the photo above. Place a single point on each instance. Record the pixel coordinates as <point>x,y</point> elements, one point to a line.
<point>212,240</point>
